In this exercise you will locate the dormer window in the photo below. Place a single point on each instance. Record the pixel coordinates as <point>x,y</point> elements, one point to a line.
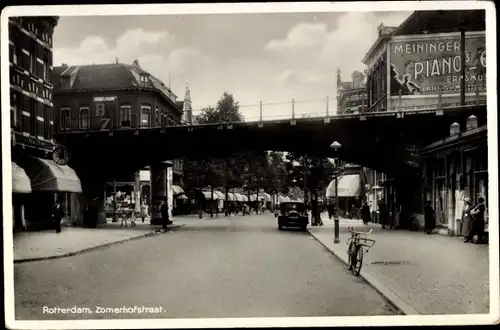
<point>65,83</point>
<point>143,80</point>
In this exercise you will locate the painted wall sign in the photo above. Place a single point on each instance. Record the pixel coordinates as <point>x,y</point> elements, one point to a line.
<point>423,64</point>
<point>105,98</point>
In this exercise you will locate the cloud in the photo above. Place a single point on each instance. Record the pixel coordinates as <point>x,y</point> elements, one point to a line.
<point>314,49</point>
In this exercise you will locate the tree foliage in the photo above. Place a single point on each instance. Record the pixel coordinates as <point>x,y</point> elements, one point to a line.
<point>318,169</point>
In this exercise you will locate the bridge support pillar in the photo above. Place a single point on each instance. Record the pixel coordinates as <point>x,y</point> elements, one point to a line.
<point>94,197</point>
<point>158,191</point>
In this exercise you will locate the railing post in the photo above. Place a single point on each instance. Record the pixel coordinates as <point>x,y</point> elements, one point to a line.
<point>260,111</point>
<point>327,105</point>
<point>293,108</point>
<point>477,92</point>
<point>400,100</point>
<point>440,98</point>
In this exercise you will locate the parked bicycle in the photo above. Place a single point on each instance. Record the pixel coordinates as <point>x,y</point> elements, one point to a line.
<point>359,244</point>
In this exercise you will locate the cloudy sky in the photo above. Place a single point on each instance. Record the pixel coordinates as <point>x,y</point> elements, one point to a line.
<point>257,57</point>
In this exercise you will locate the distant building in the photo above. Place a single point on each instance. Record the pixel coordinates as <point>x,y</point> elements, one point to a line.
<point>351,95</point>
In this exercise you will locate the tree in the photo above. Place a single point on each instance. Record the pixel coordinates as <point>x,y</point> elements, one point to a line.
<point>226,111</point>
<point>318,171</point>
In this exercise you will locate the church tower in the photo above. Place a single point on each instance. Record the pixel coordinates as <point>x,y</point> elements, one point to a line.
<point>187,110</point>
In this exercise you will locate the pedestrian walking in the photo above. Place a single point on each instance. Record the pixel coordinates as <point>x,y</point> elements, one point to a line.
<point>365,213</point>
<point>478,222</point>
<point>330,211</point>
<point>143,211</point>
<point>467,220</point>
<point>429,218</point>
<point>57,216</point>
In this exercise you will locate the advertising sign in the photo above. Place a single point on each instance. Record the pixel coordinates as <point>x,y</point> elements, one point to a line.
<point>424,64</point>
<point>170,193</point>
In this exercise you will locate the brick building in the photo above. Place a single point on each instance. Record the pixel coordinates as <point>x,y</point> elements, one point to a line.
<point>351,95</point>
<point>112,97</point>
<point>36,179</point>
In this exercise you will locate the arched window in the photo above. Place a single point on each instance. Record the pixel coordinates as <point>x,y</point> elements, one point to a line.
<point>84,118</point>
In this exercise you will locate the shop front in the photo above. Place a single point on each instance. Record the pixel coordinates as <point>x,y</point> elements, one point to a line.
<point>49,182</point>
<point>349,194</point>
<point>21,187</point>
<point>456,168</point>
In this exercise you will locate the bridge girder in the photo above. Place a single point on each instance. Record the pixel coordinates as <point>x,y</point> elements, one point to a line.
<point>379,143</point>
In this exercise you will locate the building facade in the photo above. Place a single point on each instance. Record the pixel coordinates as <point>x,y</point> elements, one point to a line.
<point>412,66</point>
<point>376,66</point>
<point>456,167</point>
<point>112,96</point>
<point>37,181</point>
<point>351,95</point>
<point>109,97</point>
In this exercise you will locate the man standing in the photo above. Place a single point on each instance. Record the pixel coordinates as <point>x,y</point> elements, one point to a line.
<point>164,214</point>
<point>365,213</point>
<point>57,215</point>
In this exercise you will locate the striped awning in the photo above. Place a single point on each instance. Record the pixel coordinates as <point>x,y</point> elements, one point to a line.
<point>177,190</point>
<point>20,181</point>
<point>46,175</point>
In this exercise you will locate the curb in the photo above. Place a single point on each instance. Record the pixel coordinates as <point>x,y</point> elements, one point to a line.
<point>71,254</point>
<point>402,307</point>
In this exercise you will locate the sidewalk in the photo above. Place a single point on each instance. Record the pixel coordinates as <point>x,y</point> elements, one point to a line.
<point>419,273</point>
<point>41,245</point>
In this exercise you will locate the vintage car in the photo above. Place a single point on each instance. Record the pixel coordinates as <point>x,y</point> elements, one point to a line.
<point>293,214</point>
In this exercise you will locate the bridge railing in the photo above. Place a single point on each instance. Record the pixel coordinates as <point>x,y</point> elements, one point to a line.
<point>261,113</point>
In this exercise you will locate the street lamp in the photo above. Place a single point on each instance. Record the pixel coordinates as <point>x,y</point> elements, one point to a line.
<point>336,146</point>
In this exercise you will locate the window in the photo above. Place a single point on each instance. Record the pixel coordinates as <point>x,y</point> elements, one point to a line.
<point>84,118</point>
<point>44,70</point>
<point>15,60</point>
<point>65,83</point>
<point>125,116</point>
<point>158,116</point>
<point>33,115</point>
<point>32,65</point>
<point>65,119</point>
<point>145,116</point>
<point>13,115</point>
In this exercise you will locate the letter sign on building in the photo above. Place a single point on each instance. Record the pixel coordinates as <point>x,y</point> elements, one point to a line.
<point>105,98</point>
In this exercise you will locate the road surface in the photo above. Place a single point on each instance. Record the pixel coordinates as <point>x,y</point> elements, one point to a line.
<point>239,266</point>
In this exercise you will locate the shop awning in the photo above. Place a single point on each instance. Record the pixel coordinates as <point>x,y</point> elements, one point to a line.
<point>177,190</point>
<point>239,197</point>
<point>349,186</point>
<point>208,195</point>
<point>266,197</point>
<point>181,197</point>
<point>45,175</point>
<point>281,199</point>
<point>244,198</point>
<point>231,197</point>
<point>287,199</point>
<point>20,181</point>
<point>219,195</point>
<point>253,198</point>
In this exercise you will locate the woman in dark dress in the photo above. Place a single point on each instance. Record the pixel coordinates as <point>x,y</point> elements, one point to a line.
<point>365,213</point>
<point>478,220</point>
<point>429,218</point>
<point>467,220</point>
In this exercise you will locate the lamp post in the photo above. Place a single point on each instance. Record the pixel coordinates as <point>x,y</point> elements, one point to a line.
<point>336,239</point>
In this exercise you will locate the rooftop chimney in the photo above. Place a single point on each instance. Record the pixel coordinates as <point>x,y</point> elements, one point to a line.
<point>64,65</point>
<point>454,129</point>
<point>136,63</point>
<point>471,122</point>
